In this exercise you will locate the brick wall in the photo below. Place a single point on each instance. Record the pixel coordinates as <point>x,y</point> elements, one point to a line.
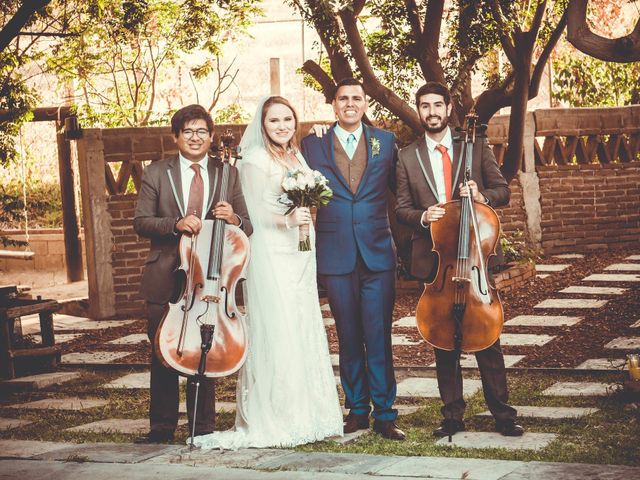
<point>128,255</point>
<point>589,207</point>
<point>512,216</point>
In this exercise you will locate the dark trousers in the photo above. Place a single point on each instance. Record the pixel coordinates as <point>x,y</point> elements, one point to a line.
<point>165,389</point>
<point>362,305</point>
<point>494,383</point>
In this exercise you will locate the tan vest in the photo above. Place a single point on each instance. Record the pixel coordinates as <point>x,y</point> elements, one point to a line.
<point>352,170</point>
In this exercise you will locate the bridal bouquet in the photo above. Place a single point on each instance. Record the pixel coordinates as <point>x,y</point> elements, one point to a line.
<point>305,188</point>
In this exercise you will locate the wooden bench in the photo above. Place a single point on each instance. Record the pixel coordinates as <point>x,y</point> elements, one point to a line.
<point>12,308</point>
<point>21,255</point>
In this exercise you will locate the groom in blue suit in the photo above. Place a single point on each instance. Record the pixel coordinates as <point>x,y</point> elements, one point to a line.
<point>357,257</point>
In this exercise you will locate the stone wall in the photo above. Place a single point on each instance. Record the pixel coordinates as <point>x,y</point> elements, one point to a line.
<point>47,246</point>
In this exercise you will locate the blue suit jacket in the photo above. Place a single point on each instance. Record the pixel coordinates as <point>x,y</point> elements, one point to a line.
<point>354,222</point>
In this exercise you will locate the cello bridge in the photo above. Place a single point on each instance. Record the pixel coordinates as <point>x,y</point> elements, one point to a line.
<point>460,280</point>
<point>211,298</point>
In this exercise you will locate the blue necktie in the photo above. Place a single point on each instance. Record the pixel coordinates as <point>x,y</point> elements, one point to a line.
<point>351,146</point>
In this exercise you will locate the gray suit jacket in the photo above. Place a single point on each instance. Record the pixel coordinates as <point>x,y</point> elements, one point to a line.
<point>160,204</point>
<point>417,192</point>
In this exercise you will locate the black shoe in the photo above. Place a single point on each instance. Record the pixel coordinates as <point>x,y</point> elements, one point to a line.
<point>354,422</point>
<point>388,430</point>
<point>449,426</point>
<point>199,433</point>
<point>155,436</point>
<point>509,428</point>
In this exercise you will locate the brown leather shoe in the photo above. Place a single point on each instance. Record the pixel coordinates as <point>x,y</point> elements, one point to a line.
<point>354,422</point>
<point>388,430</point>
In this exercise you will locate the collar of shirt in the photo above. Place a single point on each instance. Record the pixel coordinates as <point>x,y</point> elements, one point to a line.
<point>185,165</point>
<point>342,134</point>
<point>447,141</point>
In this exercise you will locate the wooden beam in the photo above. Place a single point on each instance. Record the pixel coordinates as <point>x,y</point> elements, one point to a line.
<point>97,224</point>
<point>71,228</point>
<point>42,114</point>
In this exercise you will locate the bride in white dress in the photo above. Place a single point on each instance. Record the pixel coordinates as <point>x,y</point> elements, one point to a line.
<point>286,393</point>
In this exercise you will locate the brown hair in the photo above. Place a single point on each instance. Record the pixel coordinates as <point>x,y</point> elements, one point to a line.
<point>275,149</point>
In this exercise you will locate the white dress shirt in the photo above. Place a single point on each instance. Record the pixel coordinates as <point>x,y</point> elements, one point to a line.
<point>436,161</point>
<point>343,135</point>
<point>187,173</point>
<point>435,157</point>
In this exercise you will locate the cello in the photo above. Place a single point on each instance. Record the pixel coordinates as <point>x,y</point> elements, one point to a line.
<point>460,310</point>
<point>203,332</point>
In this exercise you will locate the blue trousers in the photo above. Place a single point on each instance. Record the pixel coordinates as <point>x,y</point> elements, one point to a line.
<point>362,305</point>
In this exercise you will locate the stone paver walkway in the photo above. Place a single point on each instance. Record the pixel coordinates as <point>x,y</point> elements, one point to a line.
<point>578,389</point>
<point>548,412</point>
<point>624,343</point>
<point>118,425</point>
<point>542,320</point>
<point>529,441</point>
<point>564,303</point>
<point>612,277</point>
<point>551,268</point>
<point>93,357</point>
<point>109,461</point>
<point>73,403</point>
<point>428,387</point>
<point>11,423</point>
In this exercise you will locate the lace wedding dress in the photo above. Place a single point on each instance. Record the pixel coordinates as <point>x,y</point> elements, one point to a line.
<point>286,393</point>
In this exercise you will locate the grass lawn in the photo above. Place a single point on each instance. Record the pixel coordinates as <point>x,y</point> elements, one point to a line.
<point>609,436</point>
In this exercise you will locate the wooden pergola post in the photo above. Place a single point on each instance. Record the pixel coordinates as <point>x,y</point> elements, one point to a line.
<point>97,224</point>
<point>72,242</point>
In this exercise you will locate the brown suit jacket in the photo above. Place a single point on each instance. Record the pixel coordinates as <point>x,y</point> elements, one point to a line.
<point>417,192</point>
<point>160,204</point>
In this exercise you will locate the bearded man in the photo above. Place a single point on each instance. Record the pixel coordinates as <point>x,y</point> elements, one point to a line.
<point>429,174</point>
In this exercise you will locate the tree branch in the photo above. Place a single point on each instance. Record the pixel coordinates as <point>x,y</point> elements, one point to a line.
<point>505,41</point>
<point>373,86</point>
<point>22,16</point>
<point>319,75</point>
<point>426,43</point>
<point>622,49</point>
<point>538,70</point>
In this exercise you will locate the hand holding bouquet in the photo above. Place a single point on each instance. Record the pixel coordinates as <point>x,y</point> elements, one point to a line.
<point>305,188</point>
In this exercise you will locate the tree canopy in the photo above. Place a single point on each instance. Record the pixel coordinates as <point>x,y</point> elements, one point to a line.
<point>393,45</point>
<point>113,54</point>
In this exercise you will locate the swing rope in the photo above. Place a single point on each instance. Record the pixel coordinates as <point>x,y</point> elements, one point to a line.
<point>25,210</point>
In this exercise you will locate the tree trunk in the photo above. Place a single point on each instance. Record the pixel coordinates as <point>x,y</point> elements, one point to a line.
<point>519,99</point>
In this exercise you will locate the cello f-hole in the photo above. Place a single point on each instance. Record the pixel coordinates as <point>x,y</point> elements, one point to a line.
<point>226,303</point>
<point>478,273</point>
<point>444,278</point>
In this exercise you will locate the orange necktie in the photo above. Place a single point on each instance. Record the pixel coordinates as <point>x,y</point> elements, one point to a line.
<point>446,168</point>
<point>196,193</point>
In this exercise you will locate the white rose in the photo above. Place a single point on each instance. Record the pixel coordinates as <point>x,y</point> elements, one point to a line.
<point>301,182</point>
<point>289,183</point>
<point>310,179</point>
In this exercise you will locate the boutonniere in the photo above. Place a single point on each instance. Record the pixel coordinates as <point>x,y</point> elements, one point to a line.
<point>375,146</point>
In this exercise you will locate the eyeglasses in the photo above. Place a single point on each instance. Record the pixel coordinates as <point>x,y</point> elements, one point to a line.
<point>202,133</point>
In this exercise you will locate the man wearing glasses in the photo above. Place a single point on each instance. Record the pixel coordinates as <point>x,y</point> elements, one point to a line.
<point>176,194</point>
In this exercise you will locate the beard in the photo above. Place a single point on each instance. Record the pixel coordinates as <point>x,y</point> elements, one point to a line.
<point>444,122</point>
